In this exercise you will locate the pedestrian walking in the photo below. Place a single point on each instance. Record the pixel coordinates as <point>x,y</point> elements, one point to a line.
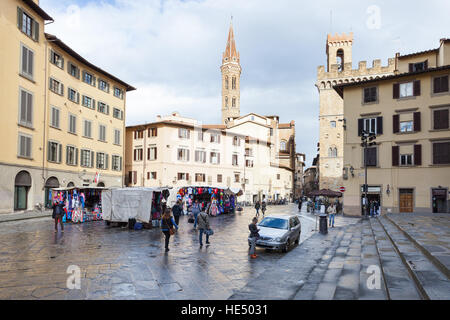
<point>57,215</point>
<point>195,211</point>
<point>371,206</point>
<point>299,204</point>
<point>257,207</point>
<point>203,227</point>
<point>332,212</point>
<point>263,207</point>
<point>177,211</point>
<point>254,235</point>
<point>167,224</point>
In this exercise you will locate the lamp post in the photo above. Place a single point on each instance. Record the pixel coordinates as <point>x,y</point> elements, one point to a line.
<point>367,139</point>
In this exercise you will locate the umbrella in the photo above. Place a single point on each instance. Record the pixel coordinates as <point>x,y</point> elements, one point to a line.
<point>325,193</point>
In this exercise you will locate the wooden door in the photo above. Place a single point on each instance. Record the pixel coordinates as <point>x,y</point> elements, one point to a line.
<point>406,200</point>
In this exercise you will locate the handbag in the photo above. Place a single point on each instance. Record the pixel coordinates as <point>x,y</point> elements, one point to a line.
<point>172,231</point>
<point>209,232</point>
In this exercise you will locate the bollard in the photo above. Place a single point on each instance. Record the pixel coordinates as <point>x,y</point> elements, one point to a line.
<point>323,224</point>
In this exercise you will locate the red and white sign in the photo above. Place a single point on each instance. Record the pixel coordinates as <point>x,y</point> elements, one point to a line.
<point>342,189</point>
<point>97,177</point>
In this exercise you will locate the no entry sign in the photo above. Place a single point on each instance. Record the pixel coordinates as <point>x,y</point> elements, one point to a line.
<point>342,189</point>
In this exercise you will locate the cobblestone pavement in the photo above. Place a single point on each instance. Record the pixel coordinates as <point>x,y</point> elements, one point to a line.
<point>117,263</point>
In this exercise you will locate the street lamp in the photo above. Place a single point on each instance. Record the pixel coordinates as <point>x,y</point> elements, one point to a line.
<point>367,139</point>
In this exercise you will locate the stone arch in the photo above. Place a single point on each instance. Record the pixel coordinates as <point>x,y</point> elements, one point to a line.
<point>70,184</point>
<point>101,184</point>
<point>22,185</point>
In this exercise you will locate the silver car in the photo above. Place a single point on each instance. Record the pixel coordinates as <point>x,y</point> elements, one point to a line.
<point>278,232</point>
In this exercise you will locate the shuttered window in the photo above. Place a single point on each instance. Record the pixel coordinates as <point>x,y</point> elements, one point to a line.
<point>417,122</point>
<point>370,157</point>
<point>441,119</point>
<point>27,24</point>
<point>441,153</point>
<point>56,59</point>
<point>89,78</point>
<point>418,154</point>
<point>54,152</point>
<point>87,158</point>
<point>440,84</point>
<point>117,137</point>
<point>102,160</point>
<point>138,154</point>
<point>370,95</point>
<point>395,155</point>
<point>55,117</point>
<point>116,163</point>
<point>407,89</point>
<point>87,132</point>
<point>73,70</point>
<point>88,102</point>
<point>102,133</point>
<point>27,62</point>
<point>71,155</point>
<point>26,108</point>
<point>73,95</point>
<point>56,86</point>
<point>371,125</point>
<point>152,154</point>
<point>72,123</point>
<point>24,147</point>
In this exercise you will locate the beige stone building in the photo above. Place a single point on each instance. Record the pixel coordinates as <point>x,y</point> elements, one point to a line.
<point>65,118</point>
<point>254,153</point>
<point>300,160</point>
<point>409,167</point>
<point>331,120</point>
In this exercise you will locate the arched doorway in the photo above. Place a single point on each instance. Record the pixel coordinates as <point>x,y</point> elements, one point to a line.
<point>51,183</point>
<point>22,185</point>
<point>70,185</point>
<point>101,184</point>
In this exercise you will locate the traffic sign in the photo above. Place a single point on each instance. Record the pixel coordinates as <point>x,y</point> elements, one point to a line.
<point>342,189</point>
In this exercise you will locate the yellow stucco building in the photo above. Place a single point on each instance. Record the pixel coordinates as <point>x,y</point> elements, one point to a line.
<point>409,167</point>
<point>64,118</point>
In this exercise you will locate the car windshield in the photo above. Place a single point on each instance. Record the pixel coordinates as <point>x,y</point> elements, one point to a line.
<point>275,223</point>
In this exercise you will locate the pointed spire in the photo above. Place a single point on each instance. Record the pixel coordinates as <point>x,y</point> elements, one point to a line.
<point>230,54</point>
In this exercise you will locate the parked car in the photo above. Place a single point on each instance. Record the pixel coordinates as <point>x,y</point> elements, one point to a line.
<point>279,232</point>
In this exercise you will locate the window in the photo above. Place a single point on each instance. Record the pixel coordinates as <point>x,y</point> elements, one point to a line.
<point>27,62</point>
<point>406,160</point>
<point>332,152</point>
<point>72,123</point>
<point>182,176</point>
<point>56,59</point>
<point>103,85</point>
<point>200,136</point>
<point>200,156</point>
<point>406,90</point>
<point>283,146</point>
<point>406,126</point>
<point>226,82</point>
<point>236,141</point>
<point>419,66</point>
<point>151,153</point>
<point>117,113</point>
<point>333,124</point>
<point>441,153</point>
<point>89,78</point>
<point>71,155</point>
<point>138,154</point>
<point>118,93</point>
<point>102,133</point>
<point>219,178</point>
<point>103,108</point>
<point>371,157</point>
<point>24,148</point>
<point>183,133</point>
<point>226,102</point>
<point>271,132</point>
<point>27,24</point>
<point>54,152</point>
<point>370,95</point>
<point>152,132</point>
<point>88,102</point>
<point>56,86</point>
<point>26,108</point>
<point>233,102</point>
<point>87,130</point>
<point>235,160</point>
<point>215,157</point>
<point>278,176</point>
<point>249,163</point>
<point>116,163</point>
<point>73,95</point>
<point>102,161</point>
<point>249,152</point>
<point>440,84</point>
<point>139,134</point>
<point>200,177</point>
<point>215,138</point>
<point>54,122</point>
<point>183,154</point>
<point>117,137</point>
<point>151,175</point>
<point>441,119</point>
<point>237,177</point>
<point>233,83</point>
<point>370,125</point>
<point>73,70</point>
<point>87,158</point>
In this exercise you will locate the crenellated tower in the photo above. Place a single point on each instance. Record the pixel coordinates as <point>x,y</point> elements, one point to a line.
<point>231,75</point>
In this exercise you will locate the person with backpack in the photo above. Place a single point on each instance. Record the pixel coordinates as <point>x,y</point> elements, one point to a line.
<point>195,211</point>
<point>167,224</point>
<point>254,235</point>
<point>263,207</point>
<point>177,211</point>
<point>57,215</point>
<point>203,227</point>
<point>257,207</point>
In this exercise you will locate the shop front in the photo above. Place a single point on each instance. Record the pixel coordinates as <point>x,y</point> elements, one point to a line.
<point>439,200</point>
<point>373,196</point>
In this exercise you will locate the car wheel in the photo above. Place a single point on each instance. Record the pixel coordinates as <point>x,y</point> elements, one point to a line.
<point>298,240</point>
<point>286,246</point>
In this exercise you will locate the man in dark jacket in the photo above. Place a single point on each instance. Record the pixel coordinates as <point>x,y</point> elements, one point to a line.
<point>177,211</point>
<point>58,212</point>
<point>257,206</point>
<point>254,235</point>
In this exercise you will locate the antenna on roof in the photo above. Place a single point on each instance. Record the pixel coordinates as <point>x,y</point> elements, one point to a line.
<point>331,21</point>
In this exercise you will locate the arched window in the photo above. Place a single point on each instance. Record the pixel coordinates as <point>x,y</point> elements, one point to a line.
<point>22,185</point>
<point>101,184</point>
<point>70,184</point>
<point>233,83</point>
<point>51,183</point>
<point>332,152</point>
<point>226,102</point>
<point>226,82</point>
<point>340,59</point>
<point>233,102</point>
<point>283,146</point>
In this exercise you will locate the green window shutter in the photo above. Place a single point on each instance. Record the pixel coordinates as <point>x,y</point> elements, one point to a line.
<point>35,31</point>
<point>107,109</point>
<point>78,97</point>
<point>94,79</point>
<point>67,155</point>
<point>59,153</point>
<point>48,150</point>
<point>120,163</point>
<point>106,161</point>
<point>97,161</point>
<point>19,18</point>
<point>76,156</point>
<point>92,159</point>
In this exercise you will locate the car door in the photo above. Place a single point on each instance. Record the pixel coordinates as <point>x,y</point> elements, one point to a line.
<point>292,229</point>
<point>298,225</point>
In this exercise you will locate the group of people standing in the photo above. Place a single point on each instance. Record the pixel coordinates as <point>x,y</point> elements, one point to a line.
<point>262,206</point>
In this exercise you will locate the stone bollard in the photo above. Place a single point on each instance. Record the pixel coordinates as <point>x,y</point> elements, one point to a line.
<point>323,224</point>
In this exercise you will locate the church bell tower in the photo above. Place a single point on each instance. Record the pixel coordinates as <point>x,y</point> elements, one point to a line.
<point>231,74</point>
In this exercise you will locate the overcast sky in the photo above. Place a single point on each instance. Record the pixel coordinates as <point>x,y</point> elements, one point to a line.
<point>171,50</point>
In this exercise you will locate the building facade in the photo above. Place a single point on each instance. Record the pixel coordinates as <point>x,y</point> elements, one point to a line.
<point>67,115</point>
<point>409,167</point>
<point>331,114</point>
<point>300,160</point>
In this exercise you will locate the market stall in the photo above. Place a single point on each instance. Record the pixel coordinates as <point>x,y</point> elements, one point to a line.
<point>214,200</point>
<point>81,204</point>
<point>142,204</point>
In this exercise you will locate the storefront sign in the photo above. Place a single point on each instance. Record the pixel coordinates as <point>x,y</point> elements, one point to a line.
<point>372,189</point>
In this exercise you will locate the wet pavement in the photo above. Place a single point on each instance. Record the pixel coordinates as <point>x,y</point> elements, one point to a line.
<point>117,263</point>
